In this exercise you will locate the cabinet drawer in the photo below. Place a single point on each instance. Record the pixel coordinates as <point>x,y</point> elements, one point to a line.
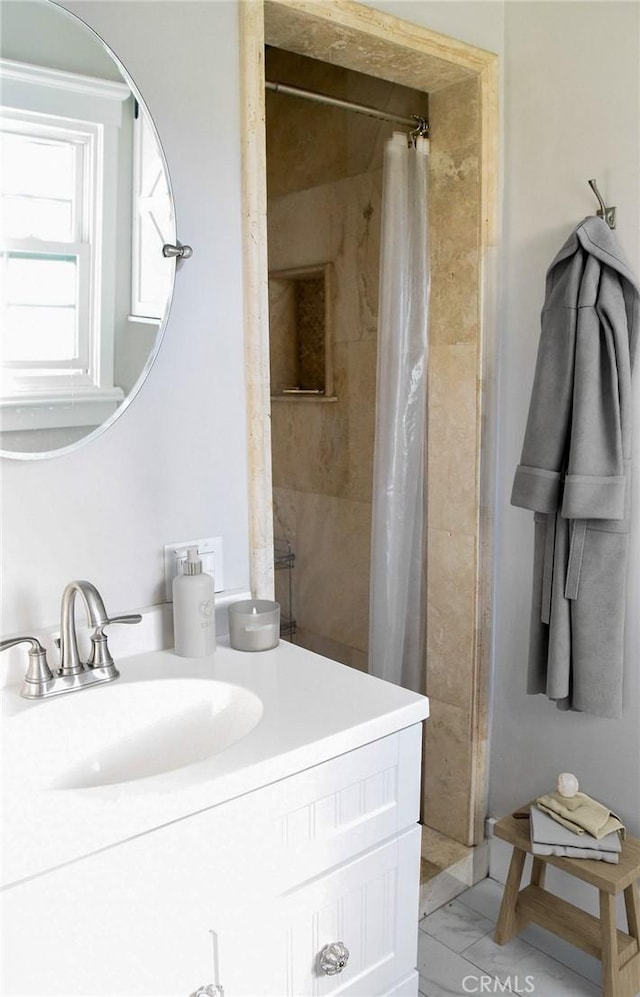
<point>345,806</point>
<point>369,904</point>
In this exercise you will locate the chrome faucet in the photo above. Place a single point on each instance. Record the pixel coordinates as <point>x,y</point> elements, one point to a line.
<point>73,674</point>
<point>70,663</point>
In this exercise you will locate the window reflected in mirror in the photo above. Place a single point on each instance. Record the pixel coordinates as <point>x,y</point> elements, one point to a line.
<point>85,209</point>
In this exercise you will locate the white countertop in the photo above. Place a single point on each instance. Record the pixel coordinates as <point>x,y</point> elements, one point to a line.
<point>313,709</point>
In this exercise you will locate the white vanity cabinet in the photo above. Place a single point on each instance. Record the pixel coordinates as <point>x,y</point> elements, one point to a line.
<point>331,853</point>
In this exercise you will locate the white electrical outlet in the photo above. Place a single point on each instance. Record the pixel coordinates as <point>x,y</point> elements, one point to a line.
<point>210,550</point>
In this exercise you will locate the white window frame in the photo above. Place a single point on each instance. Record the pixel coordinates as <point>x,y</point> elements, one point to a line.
<point>31,376</point>
<point>146,245</point>
<point>91,109</point>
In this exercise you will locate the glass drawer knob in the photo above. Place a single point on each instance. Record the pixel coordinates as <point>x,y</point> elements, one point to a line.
<point>333,958</point>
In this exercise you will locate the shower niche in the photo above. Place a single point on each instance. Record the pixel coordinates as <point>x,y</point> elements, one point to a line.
<point>300,333</point>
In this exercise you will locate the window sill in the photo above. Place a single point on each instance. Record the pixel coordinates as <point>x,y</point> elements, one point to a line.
<point>59,409</point>
<point>144,320</point>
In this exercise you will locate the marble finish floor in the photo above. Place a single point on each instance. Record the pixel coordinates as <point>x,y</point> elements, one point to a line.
<point>458,956</point>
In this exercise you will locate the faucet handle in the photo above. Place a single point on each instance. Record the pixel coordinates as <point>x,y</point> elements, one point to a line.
<point>100,656</point>
<point>130,618</point>
<point>39,677</point>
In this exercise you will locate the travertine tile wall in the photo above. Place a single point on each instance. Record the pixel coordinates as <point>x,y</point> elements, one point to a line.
<point>310,143</point>
<point>322,451</point>
<point>324,180</point>
<point>453,455</point>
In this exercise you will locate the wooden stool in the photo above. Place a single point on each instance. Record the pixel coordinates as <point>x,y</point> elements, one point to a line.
<point>618,951</point>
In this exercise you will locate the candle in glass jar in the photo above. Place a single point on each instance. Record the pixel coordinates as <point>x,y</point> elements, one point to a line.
<point>254,624</point>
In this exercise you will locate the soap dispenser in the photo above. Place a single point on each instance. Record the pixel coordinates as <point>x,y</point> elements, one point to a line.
<point>194,617</point>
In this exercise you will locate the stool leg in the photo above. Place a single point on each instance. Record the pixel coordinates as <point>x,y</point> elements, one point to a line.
<point>610,960</point>
<point>538,871</point>
<point>632,905</point>
<point>508,925</point>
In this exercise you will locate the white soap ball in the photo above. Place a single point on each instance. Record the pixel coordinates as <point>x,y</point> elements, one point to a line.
<point>567,784</point>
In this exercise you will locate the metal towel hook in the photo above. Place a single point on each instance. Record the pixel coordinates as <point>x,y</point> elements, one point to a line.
<point>609,214</point>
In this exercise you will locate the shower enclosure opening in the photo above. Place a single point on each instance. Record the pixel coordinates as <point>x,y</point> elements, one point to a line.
<point>324,183</point>
<point>324,186</point>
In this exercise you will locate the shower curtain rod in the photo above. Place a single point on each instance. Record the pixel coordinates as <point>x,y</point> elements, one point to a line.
<point>417,122</point>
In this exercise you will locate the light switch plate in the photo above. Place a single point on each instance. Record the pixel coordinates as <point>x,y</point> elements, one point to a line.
<point>210,550</point>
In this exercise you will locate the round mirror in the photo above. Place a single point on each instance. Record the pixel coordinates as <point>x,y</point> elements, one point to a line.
<point>86,208</point>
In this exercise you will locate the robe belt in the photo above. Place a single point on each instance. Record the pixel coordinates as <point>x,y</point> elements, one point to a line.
<point>574,564</point>
<point>576,550</point>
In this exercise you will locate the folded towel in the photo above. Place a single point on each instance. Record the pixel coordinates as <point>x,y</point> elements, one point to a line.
<point>566,851</point>
<point>549,837</point>
<point>580,814</point>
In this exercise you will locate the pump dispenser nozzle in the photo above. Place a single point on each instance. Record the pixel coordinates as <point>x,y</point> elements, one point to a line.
<point>193,563</point>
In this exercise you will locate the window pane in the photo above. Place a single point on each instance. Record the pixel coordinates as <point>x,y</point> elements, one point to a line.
<point>39,334</point>
<point>36,218</point>
<point>40,313</point>
<point>40,280</point>
<point>37,187</point>
<point>36,166</point>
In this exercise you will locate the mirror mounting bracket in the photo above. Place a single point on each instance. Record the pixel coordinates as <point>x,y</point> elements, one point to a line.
<point>179,251</point>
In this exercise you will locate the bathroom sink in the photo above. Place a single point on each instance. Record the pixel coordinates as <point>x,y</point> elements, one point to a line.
<point>125,732</point>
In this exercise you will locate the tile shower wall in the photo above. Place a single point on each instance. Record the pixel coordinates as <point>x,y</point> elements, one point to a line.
<point>454,375</point>
<point>323,450</point>
<point>324,184</point>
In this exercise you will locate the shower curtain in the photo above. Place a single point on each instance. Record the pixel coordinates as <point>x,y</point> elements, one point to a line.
<point>397,589</point>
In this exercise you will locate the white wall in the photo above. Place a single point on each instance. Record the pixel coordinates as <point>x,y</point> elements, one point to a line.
<point>477,22</point>
<point>571,113</point>
<point>174,465</point>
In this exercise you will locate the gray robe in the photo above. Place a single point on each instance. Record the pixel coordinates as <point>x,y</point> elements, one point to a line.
<point>575,473</point>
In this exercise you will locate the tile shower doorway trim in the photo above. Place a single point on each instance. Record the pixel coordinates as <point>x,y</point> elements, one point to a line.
<point>369,41</point>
